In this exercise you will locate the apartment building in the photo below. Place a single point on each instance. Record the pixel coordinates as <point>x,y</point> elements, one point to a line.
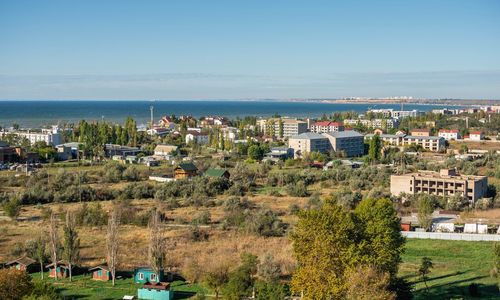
<point>391,113</point>
<point>350,142</point>
<point>449,134</point>
<point>430,143</point>
<point>374,123</point>
<point>282,127</point>
<point>444,183</point>
<point>197,137</point>
<point>309,142</point>
<point>326,126</point>
<point>49,136</point>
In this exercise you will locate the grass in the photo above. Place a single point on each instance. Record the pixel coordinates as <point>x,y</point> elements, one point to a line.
<point>457,264</point>
<point>83,287</point>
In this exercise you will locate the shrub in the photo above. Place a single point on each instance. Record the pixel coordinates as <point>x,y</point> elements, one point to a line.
<point>12,207</point>
<point>297,190</point>
<point>202,218</point>
<point>198,235</point>
<point>264,222</point>
<point>14,284</point>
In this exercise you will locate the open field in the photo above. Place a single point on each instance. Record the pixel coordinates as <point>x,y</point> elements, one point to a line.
<point>457,264</point>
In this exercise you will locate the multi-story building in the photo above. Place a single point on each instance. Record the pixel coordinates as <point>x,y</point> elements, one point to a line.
<point>49,136</point>
<point>7,153</point>
<point>197,137</point>
<point>449,134</point>
<point>430,143</point>
<point>391,113</point>
<point>350,142</point>
<point>374,123</point>
<point>282,127</point>
<point>308,142</point>
<point>326,126</point>
<point>445,183</point>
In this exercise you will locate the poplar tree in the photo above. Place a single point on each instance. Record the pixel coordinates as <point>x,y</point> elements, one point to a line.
<point>54,241</point>
<point>156,244</point>
<point>71,246</point>
<point>112,243</point>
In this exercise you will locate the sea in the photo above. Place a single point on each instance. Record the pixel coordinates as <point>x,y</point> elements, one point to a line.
<point>42,113</point>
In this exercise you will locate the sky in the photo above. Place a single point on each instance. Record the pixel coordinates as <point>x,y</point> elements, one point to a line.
<point>187,49</point>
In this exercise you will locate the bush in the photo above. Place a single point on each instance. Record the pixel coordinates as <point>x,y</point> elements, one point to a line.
<point>198,235</point>
<point>297,190</point>
<point>14,284</point>
<point>202,218</point>
<point>473,289</point>
<point>12,207</point>
<point>264,222</point>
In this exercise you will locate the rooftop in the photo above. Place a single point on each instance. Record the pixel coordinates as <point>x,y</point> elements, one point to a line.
<point>345,134</point>
<point>438,175</point>
<point>308,136</point>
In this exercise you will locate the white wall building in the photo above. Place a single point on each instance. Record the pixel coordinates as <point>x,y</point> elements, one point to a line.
<point>50,136</point>
<point>452,134</point>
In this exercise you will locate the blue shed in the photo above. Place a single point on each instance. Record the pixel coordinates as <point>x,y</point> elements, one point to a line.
<point>155,291</point>
<point>146,274</point>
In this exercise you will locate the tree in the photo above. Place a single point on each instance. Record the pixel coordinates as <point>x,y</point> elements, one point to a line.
<point>71,245</point>
<point>14,284</point>
<point>375,148</point>
<point>54,240</point>
<point>368,283</point>
<point>217,278</point>
<point>255,152</point>
<point>241,280</point>
<point>330,242</point>
<point>383,243</point>
<point>112,243</point>
<point>425,269</point>
<point>12,207</point>
<point>40,249</point>
<point>156,249</point>
<point>324,246</point>
<point>425,210</point>
<point>269,270</point>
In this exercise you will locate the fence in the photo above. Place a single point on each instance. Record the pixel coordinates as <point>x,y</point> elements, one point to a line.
<point>451,236</point>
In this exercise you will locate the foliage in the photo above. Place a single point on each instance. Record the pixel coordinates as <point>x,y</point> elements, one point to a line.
<point>297,190</point>
<point>368,283</point>
<point>425,210</point>
<point>71,243</point>
<point>12,207</point>
<point>269,269</point>
<point>14,284</point>
<point>241,280</point>
<point>425,269</point>
<point>330,241</point>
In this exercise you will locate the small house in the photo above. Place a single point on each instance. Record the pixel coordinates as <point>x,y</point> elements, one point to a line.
<point>24,264</point>
<point>60,269</point>
<point>155,291</point>
<point>217,173</point>
<point>101,273</point>
<point>185,170</point>
<point>146,274</point>
<point>378,131</point>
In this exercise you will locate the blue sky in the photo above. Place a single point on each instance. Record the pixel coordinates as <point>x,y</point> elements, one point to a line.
<point>248,49</point>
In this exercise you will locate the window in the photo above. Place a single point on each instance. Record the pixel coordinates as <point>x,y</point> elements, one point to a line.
<point>141,276</point>
<point>152,277</point>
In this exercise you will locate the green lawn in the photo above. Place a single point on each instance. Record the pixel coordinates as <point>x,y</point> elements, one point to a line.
<point>83,287</point>
<point>457,264</point>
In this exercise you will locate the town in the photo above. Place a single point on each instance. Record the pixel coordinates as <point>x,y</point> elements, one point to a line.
<point>239,182</point>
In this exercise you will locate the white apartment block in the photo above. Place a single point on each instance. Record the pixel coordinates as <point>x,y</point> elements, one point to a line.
<point>374,123</point>
<point>49,136</point>
<point>391,113</point>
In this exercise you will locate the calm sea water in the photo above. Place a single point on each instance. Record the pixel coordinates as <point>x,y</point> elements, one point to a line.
<point>44,113</point>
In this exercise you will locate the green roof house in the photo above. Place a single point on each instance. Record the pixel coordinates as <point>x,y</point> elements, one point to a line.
<point>218,173</point>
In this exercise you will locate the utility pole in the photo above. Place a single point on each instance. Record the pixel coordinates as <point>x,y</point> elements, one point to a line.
<point>151,108</point>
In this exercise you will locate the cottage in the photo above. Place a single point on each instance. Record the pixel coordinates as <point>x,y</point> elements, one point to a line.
<point>155,291</point>
<point>185,170</point>
<point>217,173</point>
<point>165,152</point>
<point>101,273</point>
<point>24,264</point>
<point>146,274</point>
<point>61,269</point>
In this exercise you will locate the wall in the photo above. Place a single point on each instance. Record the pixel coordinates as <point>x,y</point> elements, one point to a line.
<point>451,236</point>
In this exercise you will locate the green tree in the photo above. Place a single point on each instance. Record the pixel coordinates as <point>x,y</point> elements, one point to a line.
<point>12,207</point>
<point>382,241</point>
<point>40,252</point>
<point>216,279</point>
<point>71,244</point>
<point>425,269</point>
<point>496,258</point>
<point>425,210</point>
<point>241,280</point>
<point>255,152</point>
<point>375,148</point>
<point>368,283</point>
<point>269,269</point>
